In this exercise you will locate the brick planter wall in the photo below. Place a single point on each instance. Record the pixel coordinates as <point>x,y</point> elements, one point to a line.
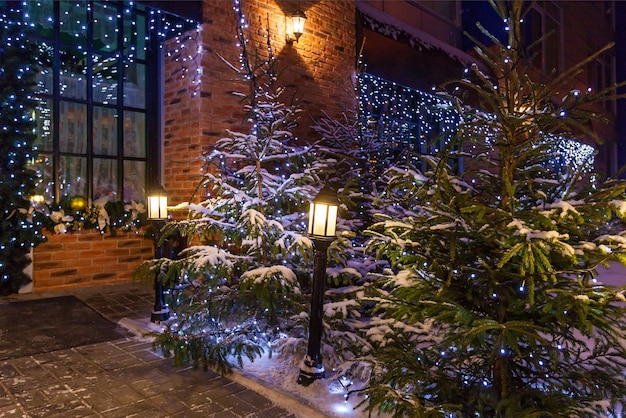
<point>88,258</point>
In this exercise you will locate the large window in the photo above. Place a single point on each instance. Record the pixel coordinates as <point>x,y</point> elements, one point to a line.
<point>92,104</point>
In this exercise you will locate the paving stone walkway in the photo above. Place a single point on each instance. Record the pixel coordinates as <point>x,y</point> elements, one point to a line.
<point>123,378</point>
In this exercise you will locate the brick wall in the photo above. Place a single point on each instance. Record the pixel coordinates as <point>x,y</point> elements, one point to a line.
<point>182,141</point>
<point>88,258</point>
<point>317,72</point>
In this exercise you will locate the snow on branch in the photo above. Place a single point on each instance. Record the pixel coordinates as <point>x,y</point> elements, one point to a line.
<point>284,275</point>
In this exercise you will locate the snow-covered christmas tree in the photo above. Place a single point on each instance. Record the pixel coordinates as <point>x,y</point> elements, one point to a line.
<point>491,306</point>
<point>20,226</point>
<point>243,284</point>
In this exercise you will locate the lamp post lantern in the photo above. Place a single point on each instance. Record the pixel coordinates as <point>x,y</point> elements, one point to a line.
<point>322,225</point>
<point>157,213</point>
<point>37,199</point>
<point>157,204</point>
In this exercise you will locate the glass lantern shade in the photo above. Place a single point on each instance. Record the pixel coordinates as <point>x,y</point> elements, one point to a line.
<point>297,20</point>
<point>37,199</point>
<point>323,214</point>
<point>157,204</point>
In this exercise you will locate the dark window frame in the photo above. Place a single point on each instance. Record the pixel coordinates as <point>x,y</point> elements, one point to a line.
<point>152,109</point>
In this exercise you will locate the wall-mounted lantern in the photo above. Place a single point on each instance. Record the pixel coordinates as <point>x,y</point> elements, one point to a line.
<point>295,26</point>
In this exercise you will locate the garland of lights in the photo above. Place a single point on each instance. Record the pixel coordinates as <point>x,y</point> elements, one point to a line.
<point>405,118</point>
<point>78,213</point>
<point>186,47</point>
<point>242,42</point>
<point>576,155</point>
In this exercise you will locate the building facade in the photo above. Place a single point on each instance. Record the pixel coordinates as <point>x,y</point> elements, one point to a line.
<point>133,93</point>
<point>420,44</point>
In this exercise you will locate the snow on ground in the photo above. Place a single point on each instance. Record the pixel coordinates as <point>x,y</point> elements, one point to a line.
<point>325,395</point>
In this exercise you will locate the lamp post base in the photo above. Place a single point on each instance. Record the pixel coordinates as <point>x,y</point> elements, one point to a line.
<point>159,316</point>
<point>310,371</point>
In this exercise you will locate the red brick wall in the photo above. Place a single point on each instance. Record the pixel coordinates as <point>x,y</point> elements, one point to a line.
<point>182,141</point>
<point>88,258</point>
<point>317,71</point>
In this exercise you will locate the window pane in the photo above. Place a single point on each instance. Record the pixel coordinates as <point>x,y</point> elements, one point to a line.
<point>551,47</point>
<point>135,85</point>
<point>104,131</point>
<point>44,78</point>
<point>134,134</point>
<point>73,176</point>
<point>551,9</point>
<point>73,22</point>
<point>135,35</point>
<point>134,180</point>
<point>608,72</point>
<point>105,30</point>
<point>44,184</point>
<point>73,80</point>
<point>73,127</point>
<point>536,31</point>
<point>44,126</point>
<point>42,14</point>
<point>105,78</point>
<point>99,39</point>
<point>599,76</point>
<point>104,178</point>
<point>444,8</point>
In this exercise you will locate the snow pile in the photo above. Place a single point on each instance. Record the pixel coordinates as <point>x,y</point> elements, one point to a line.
<point>328,395</point>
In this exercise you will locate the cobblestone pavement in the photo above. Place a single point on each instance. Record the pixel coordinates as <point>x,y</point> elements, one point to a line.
<point>125,377</point>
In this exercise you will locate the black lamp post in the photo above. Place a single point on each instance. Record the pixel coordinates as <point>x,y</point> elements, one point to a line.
<point>157,213</point>
<point>322,224</point>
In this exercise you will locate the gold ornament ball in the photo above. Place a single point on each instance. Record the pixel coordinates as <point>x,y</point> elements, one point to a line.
<point>78,203</point>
